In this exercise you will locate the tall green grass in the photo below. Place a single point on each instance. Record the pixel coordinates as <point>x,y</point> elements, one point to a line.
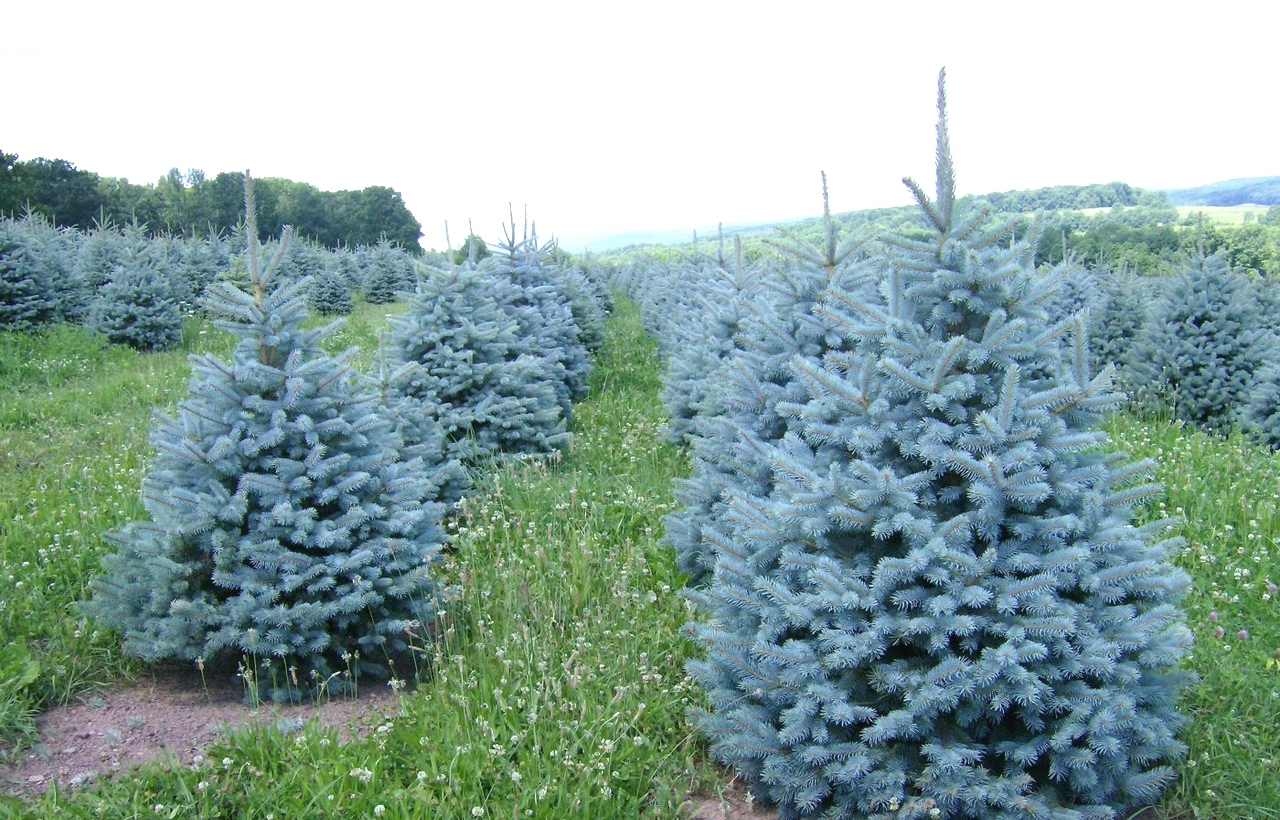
<point>1224,492</point>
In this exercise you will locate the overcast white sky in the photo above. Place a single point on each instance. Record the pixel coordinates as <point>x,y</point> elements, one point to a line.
<point>607,116</point>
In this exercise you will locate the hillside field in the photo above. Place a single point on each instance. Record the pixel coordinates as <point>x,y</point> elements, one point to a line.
<point>1230,215</point>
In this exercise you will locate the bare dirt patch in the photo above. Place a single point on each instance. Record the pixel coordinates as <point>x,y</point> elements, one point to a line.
<point>171,714</point>
<point>733,802</point>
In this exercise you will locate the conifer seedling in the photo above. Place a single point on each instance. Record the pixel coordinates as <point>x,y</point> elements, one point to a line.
<point>282,521</point>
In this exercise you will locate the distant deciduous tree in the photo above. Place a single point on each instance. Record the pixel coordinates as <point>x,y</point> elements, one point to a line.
<point>192,203</point>
<point>473,249</point>
<point>53,188</point>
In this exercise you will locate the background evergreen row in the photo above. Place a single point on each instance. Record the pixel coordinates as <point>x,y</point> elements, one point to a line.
<point>135,286</point>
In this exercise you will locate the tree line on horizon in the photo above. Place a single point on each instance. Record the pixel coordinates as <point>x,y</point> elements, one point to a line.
<point>1110,226</point>
<point>194,204</point>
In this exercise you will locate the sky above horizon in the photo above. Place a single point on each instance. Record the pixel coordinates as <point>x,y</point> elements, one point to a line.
<point>603,117</point>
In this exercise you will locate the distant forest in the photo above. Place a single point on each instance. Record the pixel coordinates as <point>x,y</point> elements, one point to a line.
<point>193,204</point>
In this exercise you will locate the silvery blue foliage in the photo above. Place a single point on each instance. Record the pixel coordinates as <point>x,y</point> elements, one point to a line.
<point>1117,318</point>
<point>544,314</point>
<point>282,521</point>
<point>1260,416</point>
<point>469,367</point>
<point>1204,340</point>
<point>347,265</point>
<point>52,251</point>
<point>730,436</point>
<point>589,303</point>
<point>137,308</point>
<point>1079,292</point>
<point>726,294</point>
<point>422,435</point>
<point>99,252</point>
<point>199,263</point>
<point>388,273</point>
<point>329,293</point>
<point>936,604</point>
<point>166,255</point>
<point>27,296</point>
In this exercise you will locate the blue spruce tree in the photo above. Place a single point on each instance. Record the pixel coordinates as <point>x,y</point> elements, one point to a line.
<point>545,318</point>
<point>939,606</point>
<point>589,303</point>
<point>730,442</point>
<point>347,265</point>
<point>1117,318</point>
<point>389,273</point>
<point>197,263</point>
<point>137,306</point>
<point>703,342</point>
<point>329,293</point>
<point>27,297</point>
<point>282,521</point>
<point>1204,340</point>
<point>100,251</point>
<point>1260,415</point>
<point>458,352</point>
<point>52,251</point>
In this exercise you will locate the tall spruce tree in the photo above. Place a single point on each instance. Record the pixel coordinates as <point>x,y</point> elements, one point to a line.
<point>389,273</point>
<point>1117,318</point>
<point>545,318</point>
<point>724,305</point>
<point>939,606</point>
<point>101,250</point>
<point>52,251</point>
<point>282,521</point>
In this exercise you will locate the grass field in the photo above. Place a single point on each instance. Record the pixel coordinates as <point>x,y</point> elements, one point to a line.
<point>1231,215</point>
<point>558,689</point>
<point>1224,492</point>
